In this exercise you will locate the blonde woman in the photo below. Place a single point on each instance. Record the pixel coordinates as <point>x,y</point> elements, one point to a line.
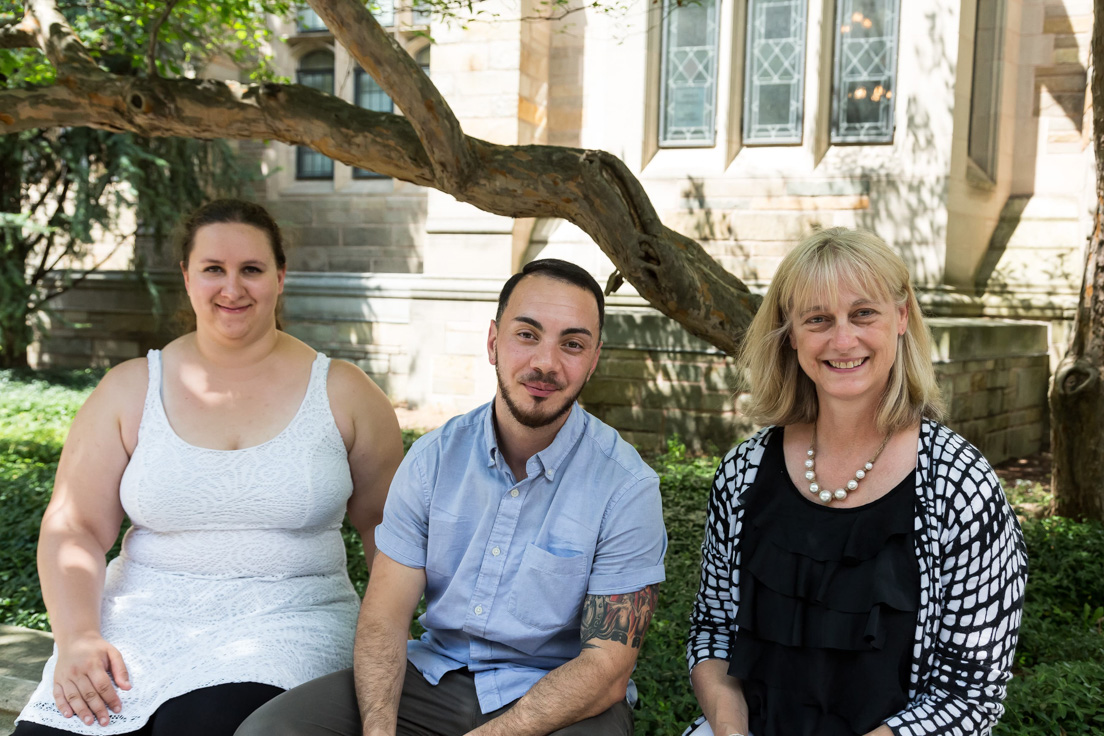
<point>862,572</point>
<point>236,452</point>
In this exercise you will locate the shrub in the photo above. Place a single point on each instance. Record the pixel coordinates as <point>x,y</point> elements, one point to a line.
<point>35,413</point>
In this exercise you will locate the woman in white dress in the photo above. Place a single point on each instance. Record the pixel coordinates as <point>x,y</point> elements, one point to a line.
<point>235,452</point>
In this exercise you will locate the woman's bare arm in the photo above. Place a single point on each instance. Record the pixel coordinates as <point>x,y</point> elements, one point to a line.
<point>79,526</point>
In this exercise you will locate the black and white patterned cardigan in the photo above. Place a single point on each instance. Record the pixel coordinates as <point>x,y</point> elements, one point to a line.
<point>973,567</point>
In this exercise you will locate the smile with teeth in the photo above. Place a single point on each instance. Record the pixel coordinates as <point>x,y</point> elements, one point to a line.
<point>843,364</point>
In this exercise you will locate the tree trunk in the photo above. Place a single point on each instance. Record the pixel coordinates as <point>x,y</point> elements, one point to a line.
<point>14,330</point>
<point>1077,396</point>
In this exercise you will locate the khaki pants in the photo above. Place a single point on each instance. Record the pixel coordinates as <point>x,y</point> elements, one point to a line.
<point>328,706</point>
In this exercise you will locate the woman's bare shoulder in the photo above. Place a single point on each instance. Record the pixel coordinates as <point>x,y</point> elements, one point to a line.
<point>126,379</point>
<point>348,381</point>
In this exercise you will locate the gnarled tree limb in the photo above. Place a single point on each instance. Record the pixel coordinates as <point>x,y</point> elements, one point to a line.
<point>56,38</point>
<point>592,189</point>
<point>16,33</point>
<point>408,86</point>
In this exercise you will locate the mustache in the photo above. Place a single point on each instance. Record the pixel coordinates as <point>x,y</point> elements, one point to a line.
<point>538,376</point>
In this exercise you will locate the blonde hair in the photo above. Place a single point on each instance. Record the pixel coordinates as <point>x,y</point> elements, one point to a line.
<point>815,272</point>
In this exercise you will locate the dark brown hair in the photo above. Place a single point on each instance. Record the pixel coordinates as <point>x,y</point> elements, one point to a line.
<point>225,211</point>
<point>554,268</point>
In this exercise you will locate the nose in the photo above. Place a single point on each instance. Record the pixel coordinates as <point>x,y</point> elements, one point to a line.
<point>544,357</point>
<point>231,285</point>
<point>843,338</point>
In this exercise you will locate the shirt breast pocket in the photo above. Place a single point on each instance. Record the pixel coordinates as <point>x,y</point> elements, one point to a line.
<point>549,588</point>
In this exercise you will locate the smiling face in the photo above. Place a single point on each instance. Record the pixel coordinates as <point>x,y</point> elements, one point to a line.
<point>232,280</point>
<point>544,348</point>
<point>846,344</point>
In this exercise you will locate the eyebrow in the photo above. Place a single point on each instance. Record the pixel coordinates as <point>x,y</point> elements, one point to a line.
<point>566,331</point>
<point>219,262</point>
<point>818,308</point>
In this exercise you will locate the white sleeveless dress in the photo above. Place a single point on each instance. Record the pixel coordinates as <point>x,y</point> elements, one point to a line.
<point>234,568</point>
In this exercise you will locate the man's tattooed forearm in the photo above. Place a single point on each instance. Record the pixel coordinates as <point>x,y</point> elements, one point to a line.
<point>622,618</point>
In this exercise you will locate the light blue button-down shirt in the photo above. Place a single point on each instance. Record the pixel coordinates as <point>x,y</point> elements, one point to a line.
<point>509,562</point>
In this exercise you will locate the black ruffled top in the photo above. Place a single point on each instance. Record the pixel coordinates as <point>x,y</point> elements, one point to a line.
<point>828,604</point>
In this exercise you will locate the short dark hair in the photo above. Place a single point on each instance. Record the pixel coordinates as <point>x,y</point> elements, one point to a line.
<point>236,211</point>
<point>554,268</point>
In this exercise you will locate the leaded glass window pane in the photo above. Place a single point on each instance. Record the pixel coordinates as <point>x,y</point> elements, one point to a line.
<point>370,96</point>
<point>865,71</point>
<point>688,87</point>
<point>985,94</point>
<point>775,76</point>
<point>315,70</point>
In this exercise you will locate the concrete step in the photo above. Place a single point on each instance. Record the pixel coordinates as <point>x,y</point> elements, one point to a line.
<point>23,652</point>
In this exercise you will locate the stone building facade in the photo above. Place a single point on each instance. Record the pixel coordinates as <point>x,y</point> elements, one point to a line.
<point>957,130</point>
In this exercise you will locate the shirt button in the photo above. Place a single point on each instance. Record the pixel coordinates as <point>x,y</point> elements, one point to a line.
<point>514,493</point>
<point>479,610</point>
<point>496,551</point>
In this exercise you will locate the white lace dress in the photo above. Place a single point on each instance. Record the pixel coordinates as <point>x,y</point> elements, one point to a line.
<point>234,568</point>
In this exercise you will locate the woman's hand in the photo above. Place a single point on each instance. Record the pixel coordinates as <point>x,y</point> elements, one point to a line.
<point>83,678</point>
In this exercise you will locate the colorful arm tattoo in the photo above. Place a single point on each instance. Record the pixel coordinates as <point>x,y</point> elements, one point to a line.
<point>623,618</point>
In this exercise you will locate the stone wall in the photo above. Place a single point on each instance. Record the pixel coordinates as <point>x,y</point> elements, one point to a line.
<point>423,340</point>
<point>994,375</point>
<point>655,380</point>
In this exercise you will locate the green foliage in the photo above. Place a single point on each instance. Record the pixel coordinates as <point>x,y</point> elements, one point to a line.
<point>667,703</point>
<point>34,417</point>
<point>117,33</point>
<point>62,190</point>
<point>1063,699</point>
<point>1057,687</point>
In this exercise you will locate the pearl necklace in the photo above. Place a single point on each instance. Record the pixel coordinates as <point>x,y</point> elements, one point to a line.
<point>840,493</point>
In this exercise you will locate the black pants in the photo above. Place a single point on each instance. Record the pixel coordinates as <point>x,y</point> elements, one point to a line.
<point>328,707</point>
<point>210,711</point>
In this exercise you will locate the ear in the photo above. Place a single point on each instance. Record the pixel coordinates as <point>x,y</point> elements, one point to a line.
<point>792,339</point>
<point>492,342</point>
<point>902,319</point>
<point>184,271</point>
<point>280,276</point>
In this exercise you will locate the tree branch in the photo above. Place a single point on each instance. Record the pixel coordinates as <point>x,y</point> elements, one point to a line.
<point>56,39</point>
<point>404,81</point>
<point>36,305</point>
<point>592,189</point>
<point>151,54</point>
<point>16,33</point>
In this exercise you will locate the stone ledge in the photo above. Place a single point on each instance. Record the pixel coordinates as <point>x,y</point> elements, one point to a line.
<point>23,652</point>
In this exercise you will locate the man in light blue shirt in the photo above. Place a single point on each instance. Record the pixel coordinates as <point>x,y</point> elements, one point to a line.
<point>535,533</point>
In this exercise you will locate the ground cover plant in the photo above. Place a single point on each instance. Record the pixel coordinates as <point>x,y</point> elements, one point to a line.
<point>1060,661</point>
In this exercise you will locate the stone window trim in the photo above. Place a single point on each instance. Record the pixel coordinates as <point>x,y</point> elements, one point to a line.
<point>983,135</point>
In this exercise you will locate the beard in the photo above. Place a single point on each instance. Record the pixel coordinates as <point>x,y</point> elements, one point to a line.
<point>545,413</point>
